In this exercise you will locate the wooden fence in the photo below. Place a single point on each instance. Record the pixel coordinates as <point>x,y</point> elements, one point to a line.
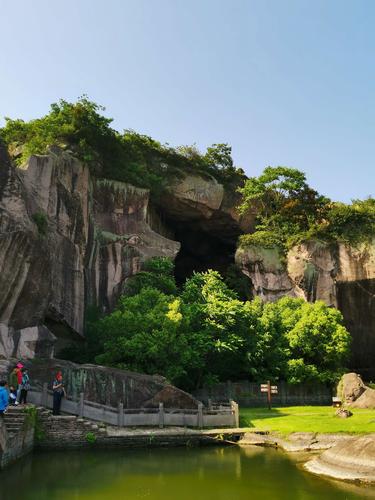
<point>249,394</point>
<point>213,416</point>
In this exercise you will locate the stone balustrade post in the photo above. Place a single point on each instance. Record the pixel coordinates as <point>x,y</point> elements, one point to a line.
<point>44,398</point>
<point>235,413</point>
<point>200,415</point>
<point>81,404</point>
<point>161,415</point>
<point>120,415</point>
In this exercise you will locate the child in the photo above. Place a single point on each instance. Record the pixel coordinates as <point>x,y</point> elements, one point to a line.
<point>13,396</point>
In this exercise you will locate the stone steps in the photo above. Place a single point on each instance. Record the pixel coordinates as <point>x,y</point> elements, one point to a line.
<point>14,419</point>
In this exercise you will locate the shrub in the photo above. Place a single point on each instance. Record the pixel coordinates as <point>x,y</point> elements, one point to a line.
<point>90,438</point>
<point>41,222</point>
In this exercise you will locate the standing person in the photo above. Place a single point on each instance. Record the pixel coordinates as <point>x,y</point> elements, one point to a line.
<point>58,393</point>
<point>13,384</point>
<point>25,386</point>
<point>19,380</point>
<point>3,397</point>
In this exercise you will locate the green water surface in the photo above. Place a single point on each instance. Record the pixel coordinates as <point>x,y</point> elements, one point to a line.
<point>228,473</point>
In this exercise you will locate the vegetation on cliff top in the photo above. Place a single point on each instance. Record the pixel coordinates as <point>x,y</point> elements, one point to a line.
<point>128,156</point>
<point>204,333</point>
<point>289,211</point>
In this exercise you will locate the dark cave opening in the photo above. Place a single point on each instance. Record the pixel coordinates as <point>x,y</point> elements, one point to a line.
<point>201,251</point>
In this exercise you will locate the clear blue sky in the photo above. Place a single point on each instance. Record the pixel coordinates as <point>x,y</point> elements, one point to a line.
<point>286,82</point>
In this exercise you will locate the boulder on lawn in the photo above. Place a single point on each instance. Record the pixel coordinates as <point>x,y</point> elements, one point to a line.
<point>352,391</point>
<point>350,387</point>
<point>342,413</point>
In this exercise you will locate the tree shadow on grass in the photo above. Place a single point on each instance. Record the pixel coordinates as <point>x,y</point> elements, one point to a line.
<point>260,414</point>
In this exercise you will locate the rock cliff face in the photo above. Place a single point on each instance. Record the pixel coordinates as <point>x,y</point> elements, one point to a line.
<point>66,241</point>
<point>69,240</point>
<point>340,275</point>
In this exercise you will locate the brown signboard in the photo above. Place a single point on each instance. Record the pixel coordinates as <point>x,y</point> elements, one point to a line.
<point>269,389</point>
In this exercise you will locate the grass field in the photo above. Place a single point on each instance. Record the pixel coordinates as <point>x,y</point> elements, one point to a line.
<point>307,419</point>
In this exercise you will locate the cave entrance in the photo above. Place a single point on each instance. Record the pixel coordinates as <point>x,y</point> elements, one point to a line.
<point>201,251</point>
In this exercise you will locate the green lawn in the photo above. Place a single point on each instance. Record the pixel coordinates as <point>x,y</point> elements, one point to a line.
<point>307,419</point>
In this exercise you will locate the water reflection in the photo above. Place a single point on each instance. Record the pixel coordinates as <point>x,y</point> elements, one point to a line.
<point>170,474</point>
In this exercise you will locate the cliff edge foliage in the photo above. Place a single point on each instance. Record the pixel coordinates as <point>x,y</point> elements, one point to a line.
<point>127,156</point>
<point>289,211</point>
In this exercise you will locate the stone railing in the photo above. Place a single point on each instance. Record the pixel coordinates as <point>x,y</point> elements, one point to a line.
<point>219,416</point>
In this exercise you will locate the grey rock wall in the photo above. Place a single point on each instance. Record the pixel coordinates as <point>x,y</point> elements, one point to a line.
<point>92,235</point>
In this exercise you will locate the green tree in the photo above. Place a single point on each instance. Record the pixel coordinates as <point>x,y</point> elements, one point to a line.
<point>288,211</point>
<point>146,333</point>
<point>284,201</point>
<point>318,343</point>
<point>215,312</point>
<point>219,156</point>
<point>205,333</point>
<point>157,273</point>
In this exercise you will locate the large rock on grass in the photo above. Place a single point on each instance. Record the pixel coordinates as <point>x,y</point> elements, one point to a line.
<point>353,392</point>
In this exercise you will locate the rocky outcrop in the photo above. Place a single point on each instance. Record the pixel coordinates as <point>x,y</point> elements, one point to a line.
<point>294,442</point>
<point>123,239</point>
<point>66,241</point>
<point>109,386</point>
<point>200,199</point>
<point>352,459</point>
<point>350,388</point>
<point>27,342</point>
<point>341,275</point>
<point>354,393</point>
<point>265,267</point>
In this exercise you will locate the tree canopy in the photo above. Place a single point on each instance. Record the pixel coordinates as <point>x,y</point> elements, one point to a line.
<point>125,156</point>
<point>289,211</point>
<point>204,333</point>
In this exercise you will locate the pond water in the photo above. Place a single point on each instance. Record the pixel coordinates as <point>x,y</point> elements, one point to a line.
<point>169,474</point>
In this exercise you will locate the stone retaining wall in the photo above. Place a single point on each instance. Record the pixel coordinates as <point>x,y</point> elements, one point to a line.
<point>15,446</point>
<point>69,432</point>
<point>65,431</point>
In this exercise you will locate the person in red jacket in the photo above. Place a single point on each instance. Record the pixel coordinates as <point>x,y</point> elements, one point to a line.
<point>19,366</point>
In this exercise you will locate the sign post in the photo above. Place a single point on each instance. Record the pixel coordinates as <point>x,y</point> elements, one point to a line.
<point>269,389</point>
